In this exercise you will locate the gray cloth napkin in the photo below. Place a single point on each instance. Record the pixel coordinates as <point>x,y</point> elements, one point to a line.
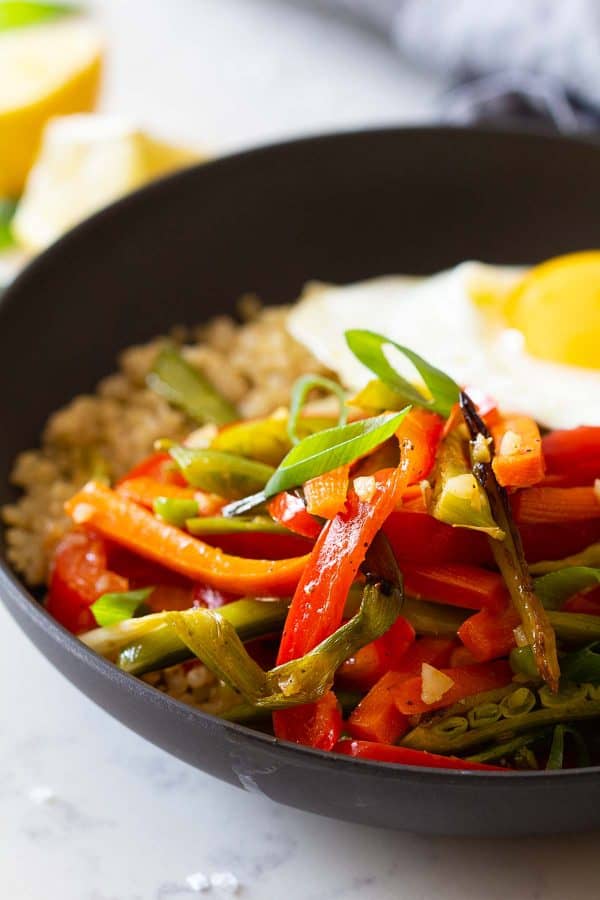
<point>538,59</point>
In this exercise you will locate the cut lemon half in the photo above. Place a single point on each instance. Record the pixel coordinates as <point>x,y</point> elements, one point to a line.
<point>85,162</point>
<point>45,71</point>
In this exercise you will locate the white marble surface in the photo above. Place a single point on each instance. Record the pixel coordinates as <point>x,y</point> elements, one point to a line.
<point>128,822</point>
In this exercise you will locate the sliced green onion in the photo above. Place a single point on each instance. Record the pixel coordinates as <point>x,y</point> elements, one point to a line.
<point>522,662</point>
<point>19,13</point>
<point>484,714</point>
<point>109,609</point>
<point>557,748</point>
<point>368,347</point>
<point>221,473</point>
<point>520,701</point>
<point>221,525</point>
<point>300,391</point>
<point>588,557</point>
<point>329,449</point>
<point>188,389</point>
<point>556,587</point>
<point>175,510</point>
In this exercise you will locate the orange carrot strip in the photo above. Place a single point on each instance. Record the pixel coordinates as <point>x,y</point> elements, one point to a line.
<point>519,459</point>
<point>555,504</point>
<point>467,680</point>
<point>326,495</point>
<point>132,526</point>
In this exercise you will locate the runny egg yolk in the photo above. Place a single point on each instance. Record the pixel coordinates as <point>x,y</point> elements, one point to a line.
<point>556,306</point>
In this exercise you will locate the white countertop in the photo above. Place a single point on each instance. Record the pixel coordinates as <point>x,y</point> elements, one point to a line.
<point>126,821</point>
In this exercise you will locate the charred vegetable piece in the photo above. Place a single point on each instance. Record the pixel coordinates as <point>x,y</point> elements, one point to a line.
<point>185,387</point>
<point>510,558</point>
<point>305,680</point>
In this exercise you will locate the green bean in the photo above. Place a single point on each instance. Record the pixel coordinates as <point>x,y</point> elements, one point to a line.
<point>174,510</point>
<point>221,473</point>
<point>567,694</point>
<point>221,525</point>
<point>506,749</point>
<point>187,388</point>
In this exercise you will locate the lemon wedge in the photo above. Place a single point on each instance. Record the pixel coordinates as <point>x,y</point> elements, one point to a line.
<point>556,306</point>
<point>85,162</point>
<point>45,70</point>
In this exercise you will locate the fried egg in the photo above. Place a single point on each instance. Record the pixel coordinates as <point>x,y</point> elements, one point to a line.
<point>529,338</point>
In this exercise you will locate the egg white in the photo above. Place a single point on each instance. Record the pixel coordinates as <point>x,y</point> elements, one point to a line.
<point>437,318</point>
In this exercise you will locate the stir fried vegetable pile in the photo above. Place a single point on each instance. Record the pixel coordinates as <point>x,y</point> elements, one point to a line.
<point>414,580</point>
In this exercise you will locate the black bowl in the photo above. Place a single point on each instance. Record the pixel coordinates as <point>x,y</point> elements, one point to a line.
<point>336,208</point>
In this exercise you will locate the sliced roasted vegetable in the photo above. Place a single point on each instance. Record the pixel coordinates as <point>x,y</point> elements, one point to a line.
<point>330,449</point>
<point>556,756</point>
<point>289,510</point>
<point>299,681</point>
<point>458,498</point>
<point>300,391</point>
<point>510,558</point>
<point>556,504</point>
<point>573,456</point>
<point>407,757</point>
<point>221,473</point>
<point>112,608</point>
<point>570,704</point>
<point>326,494</point>
<point>266,440</point>
<point>220,525</point>
<point>175,510</point>
<point>134,527</point>
<point>518,461</point>
<point>369,348</point>
<point>555,588</point>
<point>187,388</point>
<point>456,584</point>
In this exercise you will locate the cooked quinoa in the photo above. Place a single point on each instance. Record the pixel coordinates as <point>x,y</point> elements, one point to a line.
<point>252,364</point>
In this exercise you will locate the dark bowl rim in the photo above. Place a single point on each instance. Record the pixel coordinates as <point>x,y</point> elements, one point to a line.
<point>12,589</point>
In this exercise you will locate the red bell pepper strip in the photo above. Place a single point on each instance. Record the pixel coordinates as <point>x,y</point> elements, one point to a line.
<point>314,724</point>
<point>456,584</point>
<point>377,718</point>
<point>409,757</point>
<point>468,680</point>
<point>363,670</point>
<point>136,528</point>
<point>79,575</point>
<point>419,538</point>
<point>490,635</point>
<point>584,602</point>
<point>289,510</point>
<point>518,461</point>
<point>159,467</point>
<point>573,456</point>
<point>555,504</point>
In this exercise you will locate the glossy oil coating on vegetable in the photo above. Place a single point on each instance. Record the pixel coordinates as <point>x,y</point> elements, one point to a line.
<point>398,574</point>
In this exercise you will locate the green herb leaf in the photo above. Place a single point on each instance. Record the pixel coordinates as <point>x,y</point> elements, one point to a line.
<point>20,13</point>
<point>7,211</point>
<point>187,388</point>
<point>326,450</point>
<point>112,608</point>
<point>556,587</point>
<point>300,391</point>
<point>368,347</point>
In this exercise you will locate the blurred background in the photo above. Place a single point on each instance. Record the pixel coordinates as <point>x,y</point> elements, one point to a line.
<point>98,98</point>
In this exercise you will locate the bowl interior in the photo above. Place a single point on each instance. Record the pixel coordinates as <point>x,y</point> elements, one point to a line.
<point>335,208</point>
